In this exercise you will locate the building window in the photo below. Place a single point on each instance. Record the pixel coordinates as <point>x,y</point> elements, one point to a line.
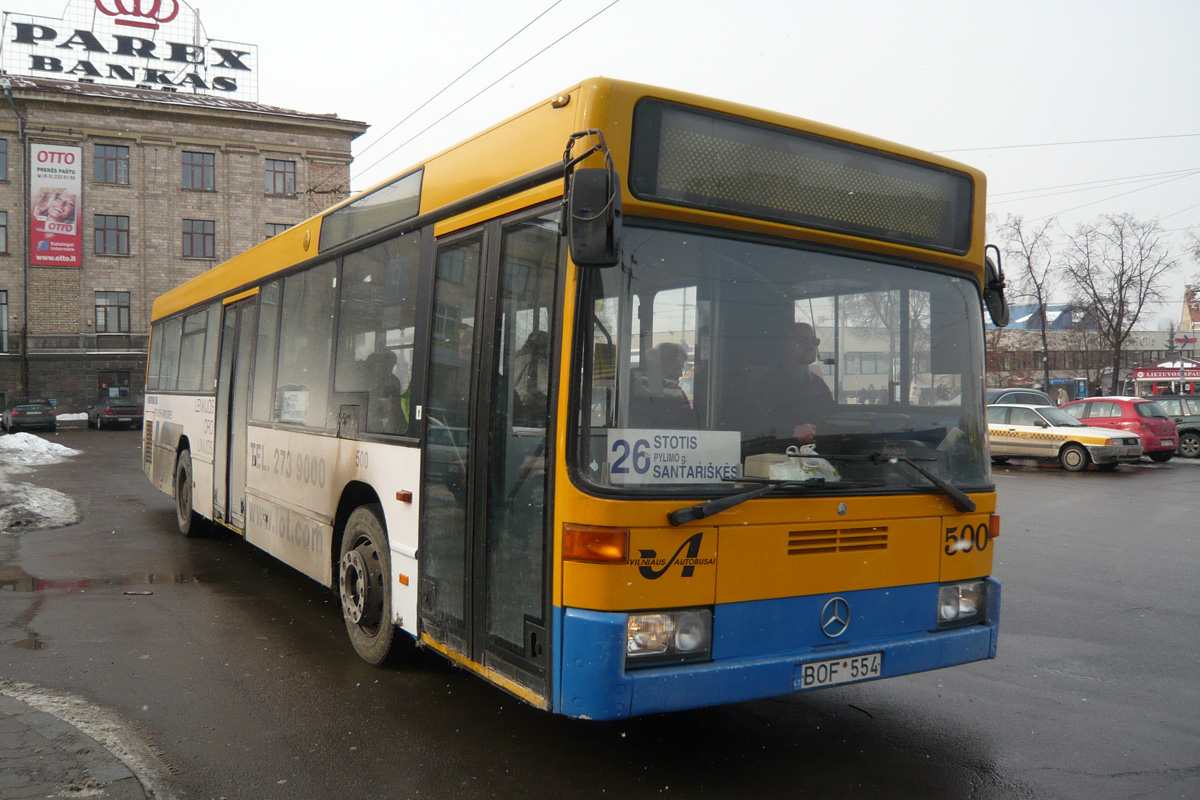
<point>112,312</point>
<point>281,177</point>
<point>199,171</point>
<point>3,231</point>
<point>113,385</point>
<point>275,228</point>
<point>111,164</point>
<point>199,238</point>
<point>112,235</point>
<point>3,159</point>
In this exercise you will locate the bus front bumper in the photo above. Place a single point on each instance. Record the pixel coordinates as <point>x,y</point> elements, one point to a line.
<point>594,683</point>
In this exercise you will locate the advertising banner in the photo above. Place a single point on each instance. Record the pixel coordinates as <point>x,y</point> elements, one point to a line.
<point>55,184</point>
<point>134,44</point>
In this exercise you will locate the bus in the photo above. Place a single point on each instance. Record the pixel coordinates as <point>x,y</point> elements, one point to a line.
<point>533,404</point>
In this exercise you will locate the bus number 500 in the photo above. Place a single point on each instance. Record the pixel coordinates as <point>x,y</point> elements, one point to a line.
<point>972,537</point>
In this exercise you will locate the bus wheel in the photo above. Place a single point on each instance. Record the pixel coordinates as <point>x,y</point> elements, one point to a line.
<point>1074,458</point>
<point>364,581</point>
<point>188,520</point>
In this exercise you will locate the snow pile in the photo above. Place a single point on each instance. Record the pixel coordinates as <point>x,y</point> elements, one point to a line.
<point>22,505</point>
<point>29,450</point>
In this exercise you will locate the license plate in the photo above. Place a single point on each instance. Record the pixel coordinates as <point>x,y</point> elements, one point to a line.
<point>1165,442</point>
<point>124,419</point>
<point>815,674</point>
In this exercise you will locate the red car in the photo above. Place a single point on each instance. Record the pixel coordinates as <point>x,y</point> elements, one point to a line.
<point>1145,417</point>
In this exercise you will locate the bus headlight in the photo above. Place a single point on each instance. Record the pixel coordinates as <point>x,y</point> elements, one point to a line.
<point>961,603</point>
<point>668,636</point>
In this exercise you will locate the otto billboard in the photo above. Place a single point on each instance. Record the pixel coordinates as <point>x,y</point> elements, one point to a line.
<point>56,181</point>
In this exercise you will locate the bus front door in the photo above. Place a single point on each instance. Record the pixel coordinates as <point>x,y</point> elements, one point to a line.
<point>484,584</point>
<point>233,393</point>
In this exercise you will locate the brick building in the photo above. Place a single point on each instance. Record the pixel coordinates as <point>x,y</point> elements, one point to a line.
<point>172,184</point>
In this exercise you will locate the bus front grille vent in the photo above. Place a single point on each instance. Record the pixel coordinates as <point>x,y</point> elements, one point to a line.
<point>844,540</point>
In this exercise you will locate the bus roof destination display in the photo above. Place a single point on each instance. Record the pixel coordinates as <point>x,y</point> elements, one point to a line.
<point>703,159</point>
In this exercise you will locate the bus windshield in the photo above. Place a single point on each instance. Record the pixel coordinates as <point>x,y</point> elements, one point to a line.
<point>709,361</point>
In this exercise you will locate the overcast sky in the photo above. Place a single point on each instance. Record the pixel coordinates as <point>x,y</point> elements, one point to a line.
<point>1073,109</point>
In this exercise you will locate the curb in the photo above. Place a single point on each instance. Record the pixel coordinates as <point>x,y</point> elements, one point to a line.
<point>43,756</point>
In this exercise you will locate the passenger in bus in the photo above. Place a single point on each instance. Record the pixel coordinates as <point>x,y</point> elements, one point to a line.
<point>531,370</point>
<point>658,399</point>
<point>387,405</point>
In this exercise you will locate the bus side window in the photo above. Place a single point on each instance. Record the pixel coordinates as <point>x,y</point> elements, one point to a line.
<point>152,363</point>
<point>306,348</point>
<point>191,352</point>
<point>212,339</point>
<point>377,331</point>
<point>169,368</point>
<point>262,406</point>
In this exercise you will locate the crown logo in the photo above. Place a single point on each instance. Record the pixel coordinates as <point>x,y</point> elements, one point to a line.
<point>139,13</point>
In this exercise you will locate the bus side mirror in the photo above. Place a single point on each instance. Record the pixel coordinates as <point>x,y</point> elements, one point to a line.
<point>594,217</point>
<point>993,288</point>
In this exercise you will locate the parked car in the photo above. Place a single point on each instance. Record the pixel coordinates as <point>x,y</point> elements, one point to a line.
<point>29,413</point>
<point>1185,411</point>
<point>1144,417</point>
<point>1045,432</point>
<point>115,411</point>
<point>1018,396</point>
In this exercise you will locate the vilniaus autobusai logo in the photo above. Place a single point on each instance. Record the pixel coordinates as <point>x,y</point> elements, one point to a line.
<point>653,567</point>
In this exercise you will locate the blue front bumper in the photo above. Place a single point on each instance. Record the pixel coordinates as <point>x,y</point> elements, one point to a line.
<point>758,650</point>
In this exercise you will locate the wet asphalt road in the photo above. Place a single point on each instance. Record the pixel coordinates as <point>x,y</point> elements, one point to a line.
<point>234,674</point>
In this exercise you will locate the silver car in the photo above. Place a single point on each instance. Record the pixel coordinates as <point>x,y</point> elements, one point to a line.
<point>1045,432</point>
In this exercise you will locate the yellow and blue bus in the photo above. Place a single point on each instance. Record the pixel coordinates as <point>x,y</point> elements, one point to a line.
<point>634,402</point>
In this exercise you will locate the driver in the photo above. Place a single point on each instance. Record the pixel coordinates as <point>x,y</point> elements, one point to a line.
<point>791,397</point>
<point>811,400</point>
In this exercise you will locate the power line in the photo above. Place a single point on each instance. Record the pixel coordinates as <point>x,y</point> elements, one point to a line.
<point>1109,181</point>
<point>1176,175</point>
<point>1180,211</point>
<point>1115,196</point>
<point>443,90</point>
<point>1067,144</point>
<point>484,89</point>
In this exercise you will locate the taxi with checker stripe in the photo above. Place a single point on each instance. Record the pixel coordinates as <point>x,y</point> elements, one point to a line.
<point>1045,432</point>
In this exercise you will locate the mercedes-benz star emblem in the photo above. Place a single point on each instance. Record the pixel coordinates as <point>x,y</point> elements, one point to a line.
<point>835,617</point>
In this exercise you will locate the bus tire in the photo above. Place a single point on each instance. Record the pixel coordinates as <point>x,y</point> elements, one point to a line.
<point>1074,458</point>
<point>186,518</point>
<point>364,584</point>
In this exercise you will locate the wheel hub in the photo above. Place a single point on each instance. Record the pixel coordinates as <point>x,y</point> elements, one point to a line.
<point>356,588</point>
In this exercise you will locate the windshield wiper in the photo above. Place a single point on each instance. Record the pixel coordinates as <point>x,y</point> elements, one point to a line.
<point>716,505</point>
<point>956,495</point>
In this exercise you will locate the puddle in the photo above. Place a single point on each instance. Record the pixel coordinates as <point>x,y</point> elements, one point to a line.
<point>13,579</point>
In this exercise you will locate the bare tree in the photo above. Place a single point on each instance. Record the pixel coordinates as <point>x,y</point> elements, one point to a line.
<point>1116,268</point>
<point>1029,256</point>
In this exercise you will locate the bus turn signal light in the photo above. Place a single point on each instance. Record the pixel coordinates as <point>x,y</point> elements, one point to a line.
<point>602,545</point>
<point>994,525</point>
